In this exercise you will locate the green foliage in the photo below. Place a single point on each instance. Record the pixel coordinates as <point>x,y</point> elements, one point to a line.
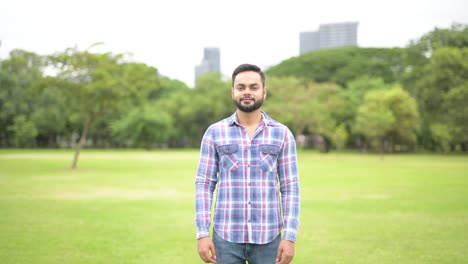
<point>374,119</point>
<point>340,137</point>
<point>18,75</point>
<point>288,102</point>
<point>342,65</point>
<point>331,112</point>
<point>441,135</point>
<point>195,109</point>
<point>405,112</point>
<point>446,70</point>
<point>456,108</point>
<point>319,94</point>
<point>456,37</point>
<point>24,132</point>
<point>357,89</point>
<point>436,64</point>
<point>168,87</point>
<point>143,127</point>
<point>388,117</point>
<point>50,114</point>
<point>307,107</point>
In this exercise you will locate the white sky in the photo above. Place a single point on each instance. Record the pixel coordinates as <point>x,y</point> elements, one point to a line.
<point>170,35</point>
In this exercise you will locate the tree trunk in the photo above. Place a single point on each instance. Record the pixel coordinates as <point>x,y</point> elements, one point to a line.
<point>327,145</point>
<point>464,146</point>
<point>382,148</point>
<point>52,140</point>
<point>81,143</point>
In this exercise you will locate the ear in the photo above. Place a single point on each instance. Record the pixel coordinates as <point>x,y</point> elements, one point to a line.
<point>264,93</point>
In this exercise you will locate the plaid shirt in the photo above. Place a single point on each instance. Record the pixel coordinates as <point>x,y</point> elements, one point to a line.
<point>248,207</point>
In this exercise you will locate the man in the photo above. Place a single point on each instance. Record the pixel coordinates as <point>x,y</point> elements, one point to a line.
<point>251,159</point>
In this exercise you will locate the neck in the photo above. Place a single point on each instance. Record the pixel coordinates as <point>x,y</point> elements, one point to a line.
<point>249,119</point>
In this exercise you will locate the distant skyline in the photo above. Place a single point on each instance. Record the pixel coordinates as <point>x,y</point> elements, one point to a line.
<point>329,36</point>
<point>171,35</point>
<point>211,62</point>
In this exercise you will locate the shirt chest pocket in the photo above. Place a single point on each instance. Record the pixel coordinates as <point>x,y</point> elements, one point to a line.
<point>228,157</point>
<point>269,157</point>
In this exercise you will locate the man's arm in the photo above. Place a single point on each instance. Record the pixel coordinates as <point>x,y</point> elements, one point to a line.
<point>289,186</point>
<point>205,184</point>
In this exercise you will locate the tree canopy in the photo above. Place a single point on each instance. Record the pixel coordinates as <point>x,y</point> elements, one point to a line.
<point>373,99</point>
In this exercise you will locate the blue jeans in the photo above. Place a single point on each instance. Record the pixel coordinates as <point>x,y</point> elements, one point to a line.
<point>238,253</point>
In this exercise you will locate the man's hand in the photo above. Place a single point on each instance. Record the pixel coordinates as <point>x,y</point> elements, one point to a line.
<point>206,250</point>
<point>285,252</point>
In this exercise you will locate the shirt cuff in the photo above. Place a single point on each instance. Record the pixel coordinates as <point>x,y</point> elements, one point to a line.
<point>291,236</point>
<point>201,234</point>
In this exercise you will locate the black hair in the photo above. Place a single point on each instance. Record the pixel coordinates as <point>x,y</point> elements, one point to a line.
<point>248,67</point>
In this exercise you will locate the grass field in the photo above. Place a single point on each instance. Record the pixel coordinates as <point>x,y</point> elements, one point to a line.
<point>137,207</point>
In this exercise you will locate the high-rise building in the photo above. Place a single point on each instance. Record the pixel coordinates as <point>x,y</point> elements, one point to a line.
<point>211,62</point>
<point>329,36</point>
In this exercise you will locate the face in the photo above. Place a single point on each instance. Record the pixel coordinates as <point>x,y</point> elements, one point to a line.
<point>248,92</point>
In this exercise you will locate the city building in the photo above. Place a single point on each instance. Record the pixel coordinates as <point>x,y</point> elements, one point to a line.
<point>211,62</point>
<point>329,36</point>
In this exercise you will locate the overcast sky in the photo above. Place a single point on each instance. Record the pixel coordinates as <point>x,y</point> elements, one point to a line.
<point>170,35</point>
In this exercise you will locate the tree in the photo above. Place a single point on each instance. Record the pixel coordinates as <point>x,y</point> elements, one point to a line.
<point>354,93</point>
<point>441,135</point>
<point>24,132</point>
<point>456,108</point>
<point>290,108</point>
<point>356,89</point>
<point>210,101</point>
<point>446,70</point>
<point>388,117</point>
<point>143,127</point>
<point>340,136</point>
<point>97,85</point>
<point>308,107</point>
<point>374,119</point>
<point>332,111</point>
<point>342,65</point>
<point>435,64</point>
<point>18,75</point>
<point>50,114</point>
<point>405,112</point>
<point>143,85</point>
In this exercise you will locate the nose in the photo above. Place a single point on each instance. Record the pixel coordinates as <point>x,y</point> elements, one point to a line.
<point>247,91</point>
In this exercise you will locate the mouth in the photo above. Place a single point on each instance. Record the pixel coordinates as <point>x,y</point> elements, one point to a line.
<point>247,100</point>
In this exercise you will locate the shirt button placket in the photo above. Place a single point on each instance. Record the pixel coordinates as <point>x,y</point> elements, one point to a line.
<point>249,184</point>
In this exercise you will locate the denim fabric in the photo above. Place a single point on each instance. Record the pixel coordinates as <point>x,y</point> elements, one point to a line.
<point>238,253</point>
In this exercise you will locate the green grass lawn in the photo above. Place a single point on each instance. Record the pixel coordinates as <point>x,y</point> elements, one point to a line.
<point>137,207</point>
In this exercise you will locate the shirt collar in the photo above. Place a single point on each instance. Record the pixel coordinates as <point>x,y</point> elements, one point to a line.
<point>233,120</point>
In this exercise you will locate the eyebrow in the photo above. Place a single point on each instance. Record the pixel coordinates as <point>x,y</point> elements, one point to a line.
<point>253,84</point>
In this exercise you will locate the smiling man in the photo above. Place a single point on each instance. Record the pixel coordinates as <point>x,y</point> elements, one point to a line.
<point>251,160</point>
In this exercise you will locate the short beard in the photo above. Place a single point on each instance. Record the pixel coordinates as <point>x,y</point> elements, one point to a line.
<point>248,108</point>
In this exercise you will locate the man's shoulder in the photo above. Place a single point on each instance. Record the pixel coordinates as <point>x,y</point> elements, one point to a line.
<point>221,124</point>
<point>275,123</point>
